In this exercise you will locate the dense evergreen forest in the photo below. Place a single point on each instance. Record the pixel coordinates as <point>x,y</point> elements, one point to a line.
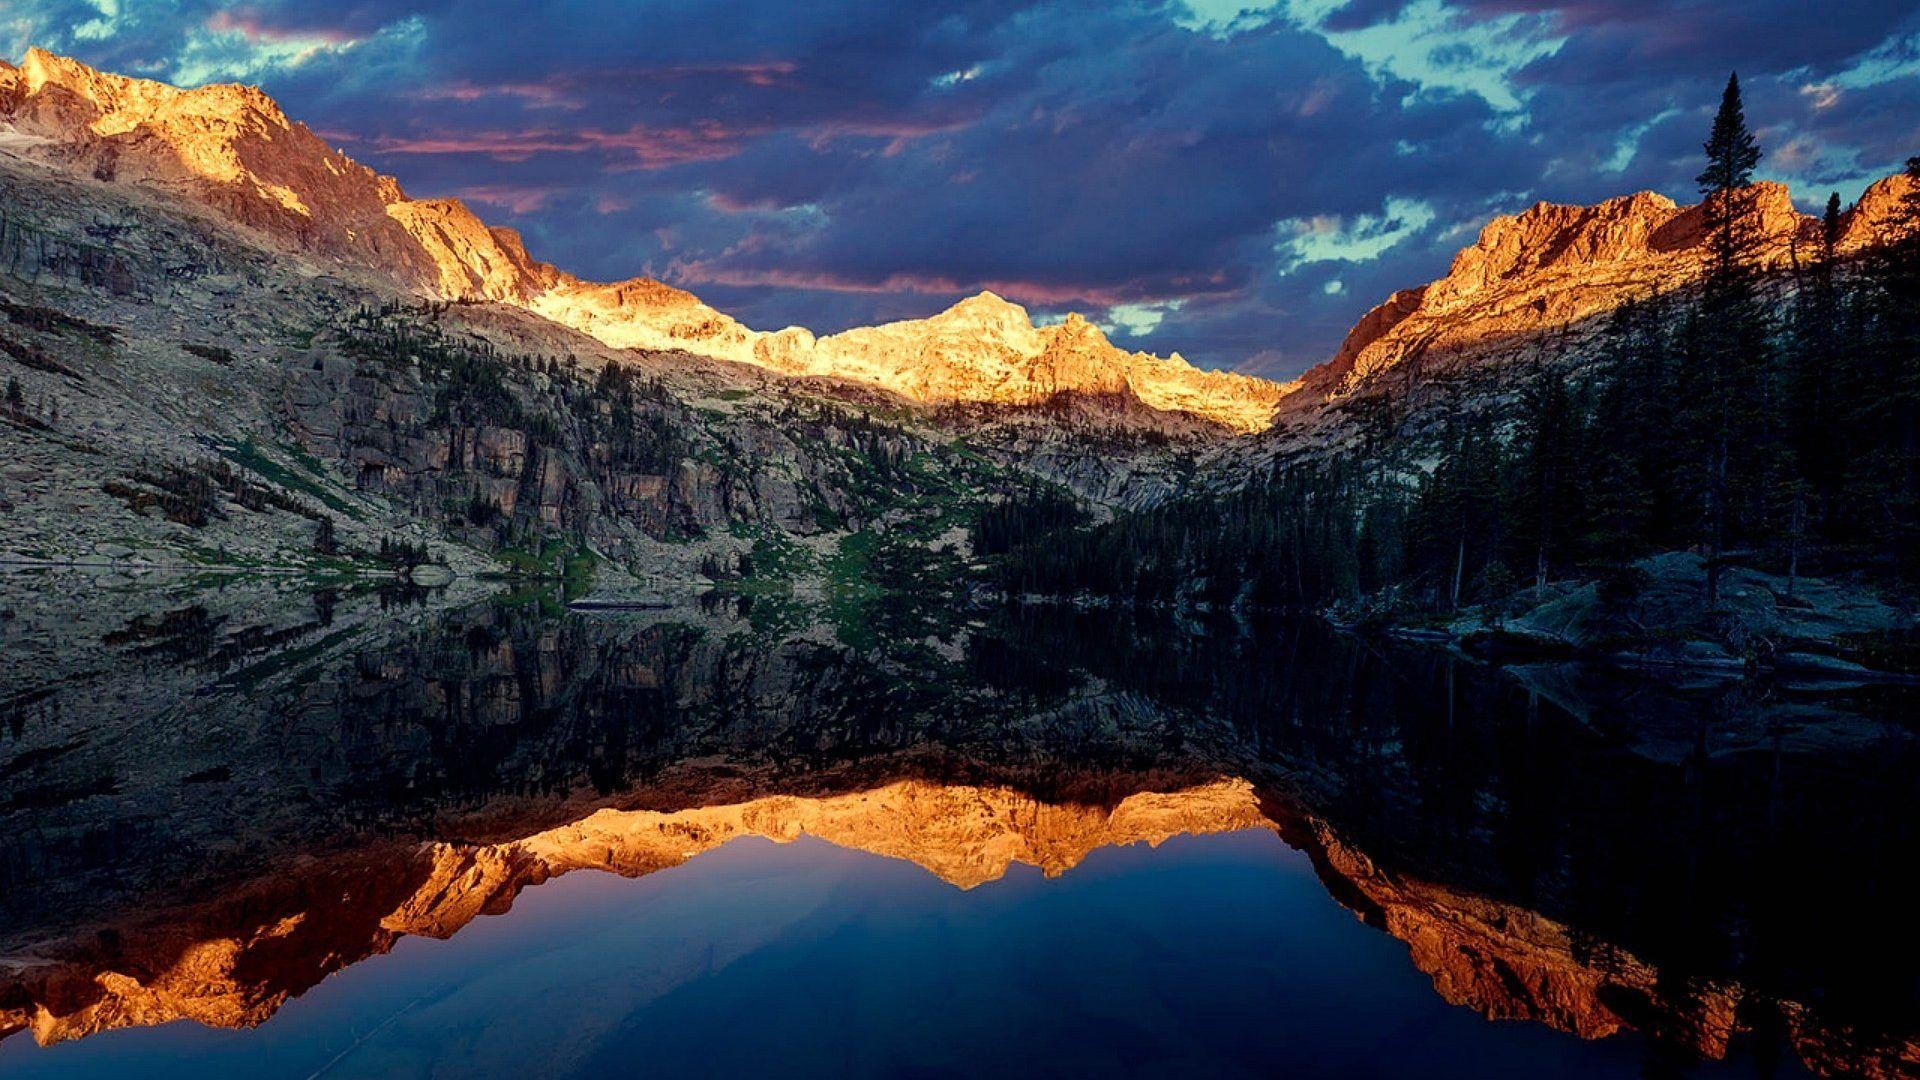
<point>1761,419</point>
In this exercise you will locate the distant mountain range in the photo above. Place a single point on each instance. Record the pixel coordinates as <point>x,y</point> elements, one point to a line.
<point>158,216</point>
<point>235,151</point>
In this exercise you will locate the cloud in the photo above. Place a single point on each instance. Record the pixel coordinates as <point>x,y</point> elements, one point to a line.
<point>514,199</point>
<point>1330,238</point>
<point>552,93</point>
<point>1896,58</point>
<point>1032,292</point>
<point>238,45</point>
<point>1139,320</point>
<point>104,25</point>
<point>646,148</point>
<point>1440,49</point>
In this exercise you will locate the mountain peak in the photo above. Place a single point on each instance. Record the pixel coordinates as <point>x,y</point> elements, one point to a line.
<point>988,309</point>
<point>1075,329</point>
<point>125,101</point>
<point>987,300</point>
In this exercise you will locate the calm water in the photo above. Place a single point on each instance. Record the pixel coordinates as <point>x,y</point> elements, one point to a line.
<point>1208,957</point>
<point>253,831</point>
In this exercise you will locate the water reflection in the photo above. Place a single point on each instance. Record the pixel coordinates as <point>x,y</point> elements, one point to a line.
<point>214,798</point>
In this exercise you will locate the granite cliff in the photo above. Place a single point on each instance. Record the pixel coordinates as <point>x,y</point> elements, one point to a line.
<point>1554,266</point>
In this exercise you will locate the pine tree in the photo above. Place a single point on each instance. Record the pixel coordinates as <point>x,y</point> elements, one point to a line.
<point>1732,155</point>
<point>1883,410</point>
<point>1547,496</point>
<point>1817,377</point>
<point>16,397</point>
<point>1735,455</point>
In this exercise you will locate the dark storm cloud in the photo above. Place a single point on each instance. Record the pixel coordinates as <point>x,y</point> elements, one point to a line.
<point>1235,180</point>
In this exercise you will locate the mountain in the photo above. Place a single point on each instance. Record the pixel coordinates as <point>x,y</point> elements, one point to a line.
<point>1553,266</point>
<point>1580,440</point>
<point>232,150</point>
<point>985,349</point>
<point>236,961</point>
<point>234,344</point>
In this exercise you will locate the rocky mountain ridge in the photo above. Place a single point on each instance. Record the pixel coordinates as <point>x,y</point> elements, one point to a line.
<point>1553,266</point>
<point>233,150</point>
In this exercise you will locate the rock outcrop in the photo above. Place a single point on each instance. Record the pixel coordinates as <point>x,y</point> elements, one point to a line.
<point>1508,963</point>
<point>232,150</point>
<point>1553,266</point>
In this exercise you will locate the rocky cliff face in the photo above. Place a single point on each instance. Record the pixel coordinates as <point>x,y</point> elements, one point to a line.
<point>232,150</point>
<point>1553,266</point>
<point>162,348</point>
<point>1506,962</point>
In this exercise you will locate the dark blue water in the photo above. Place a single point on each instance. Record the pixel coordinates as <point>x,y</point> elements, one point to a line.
<point>1709,868</point>
<point>1208,957</point>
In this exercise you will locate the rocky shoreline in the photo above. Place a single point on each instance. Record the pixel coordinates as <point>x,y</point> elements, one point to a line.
<point>1652,617</point>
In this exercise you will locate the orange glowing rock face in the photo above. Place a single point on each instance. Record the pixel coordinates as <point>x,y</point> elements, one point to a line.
<point>233,150</point>
<point>1553,266</point>
<point>987,349</point>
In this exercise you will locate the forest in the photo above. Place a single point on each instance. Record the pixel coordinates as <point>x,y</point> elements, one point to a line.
<point>1762,418</point>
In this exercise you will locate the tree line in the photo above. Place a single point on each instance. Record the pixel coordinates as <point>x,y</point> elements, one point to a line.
<point>1764,418</point>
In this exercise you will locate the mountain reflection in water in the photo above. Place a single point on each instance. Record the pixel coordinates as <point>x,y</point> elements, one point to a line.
<point>216,798</point>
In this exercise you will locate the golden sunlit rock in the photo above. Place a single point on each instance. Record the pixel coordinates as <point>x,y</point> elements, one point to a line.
<point>1553,266</point>
<point>232,149</point>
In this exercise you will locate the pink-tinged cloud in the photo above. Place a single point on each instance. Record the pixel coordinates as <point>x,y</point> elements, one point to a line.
<point>544,94</point>
<point>727,203</point>
<point>570,90</point>
<point>251,25</point>
<point>514,198</point>
<point>898,131</point>
<point>756,73</point>
<point>656,148</point>
<point>644,147</point>
<point>700,272</point>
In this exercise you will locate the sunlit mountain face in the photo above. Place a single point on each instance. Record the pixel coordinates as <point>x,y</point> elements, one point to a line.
<point>1189,174</point>
<point>230,800</point>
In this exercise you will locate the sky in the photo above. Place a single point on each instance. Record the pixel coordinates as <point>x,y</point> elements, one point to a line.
<point>1234,180</point>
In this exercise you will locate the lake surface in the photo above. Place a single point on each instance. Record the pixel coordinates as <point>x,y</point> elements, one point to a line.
<point>255,830</point>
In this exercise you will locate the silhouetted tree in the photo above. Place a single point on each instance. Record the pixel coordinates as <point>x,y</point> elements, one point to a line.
<point>1727,346</point>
